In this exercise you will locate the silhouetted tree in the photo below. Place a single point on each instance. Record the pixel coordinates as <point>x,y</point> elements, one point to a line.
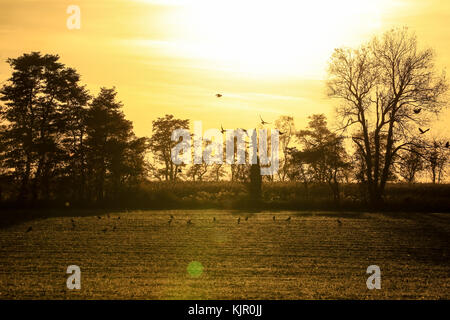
<point>114,156</point>
<point>161,145</point>
<point>410,163</point>
<point>35,98</point>
<point>324,153</point>
<point>286,126</point>
<point>436,159</point>
<point>380,85</point>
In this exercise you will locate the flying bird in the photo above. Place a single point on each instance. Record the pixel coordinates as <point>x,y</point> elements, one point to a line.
<point>423,131</point>
<point>244,130</point>
<point>417,111</point>
<point>221,129</point>
<point>29,229</point>
<point>218,95</point>
<point>262,121</point>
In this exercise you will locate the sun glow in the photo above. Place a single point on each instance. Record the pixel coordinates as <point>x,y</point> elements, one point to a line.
<point>276,37</point>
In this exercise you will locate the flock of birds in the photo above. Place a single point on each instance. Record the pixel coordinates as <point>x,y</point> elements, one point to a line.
<point>274,219</point>
<point>172,218</point>
<point>416,111</point>
<point>222,130</point>
<point>189,221</point>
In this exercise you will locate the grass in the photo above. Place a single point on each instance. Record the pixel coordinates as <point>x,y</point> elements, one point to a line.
<point>188,195</point>
<point>310,257</point>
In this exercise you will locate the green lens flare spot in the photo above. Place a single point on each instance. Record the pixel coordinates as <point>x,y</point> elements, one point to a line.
<point>195,269</point>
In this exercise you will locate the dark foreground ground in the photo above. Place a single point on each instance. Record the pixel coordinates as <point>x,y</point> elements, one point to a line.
<point>141,256</point>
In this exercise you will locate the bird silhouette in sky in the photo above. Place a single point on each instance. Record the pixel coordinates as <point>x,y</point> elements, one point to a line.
<point>218,95</point>
<point>244,130</point>
<point>423,131</point>
<point>262,121</point>
<point>221,129</point>
<point>417,111</point>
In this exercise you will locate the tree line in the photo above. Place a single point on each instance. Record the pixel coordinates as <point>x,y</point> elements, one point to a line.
<point>57,141</point>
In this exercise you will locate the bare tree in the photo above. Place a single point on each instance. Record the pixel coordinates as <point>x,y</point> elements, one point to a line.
<point>436,159</point>
<point>388,87</point>
<point>286,126</point>
<point>410,163</point>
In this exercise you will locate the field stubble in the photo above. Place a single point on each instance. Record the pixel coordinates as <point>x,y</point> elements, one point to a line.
<point>312,256</point>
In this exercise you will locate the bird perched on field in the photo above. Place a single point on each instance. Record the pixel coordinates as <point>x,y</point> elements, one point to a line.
<point>447,145</point>
<point>339,222</point>
<point>214,219</point>
<point>99,218</point>
<point>417,111</point>
<point>246,218</point>
<point>281,133</point>
<point>114,228</point>
<point>288,219</point>
<point>239,220</point>
<point>423,131</point>
<point>262,121</point>
<point>104,230</point>
<point>179,170</point>
<point>273,218</point>
<point>170,221</point>
<point>218,95</point>
<point>171,217</point>
<point>118,218</point>
<point>189,222</point>
<point>29,229</point>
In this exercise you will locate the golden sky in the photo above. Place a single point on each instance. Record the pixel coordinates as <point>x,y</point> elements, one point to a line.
<point>266,57</point>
